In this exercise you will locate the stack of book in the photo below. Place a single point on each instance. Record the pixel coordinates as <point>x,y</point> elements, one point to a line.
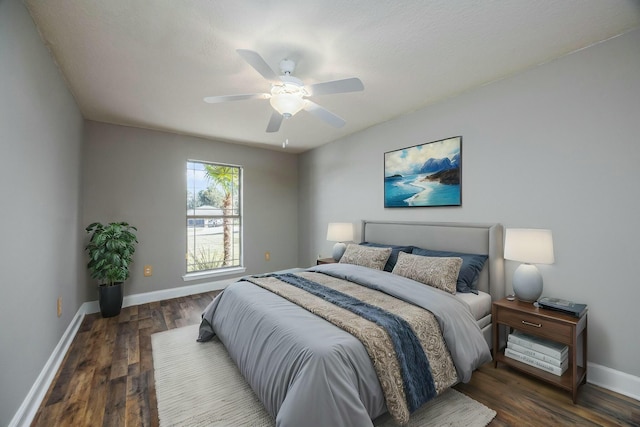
<point>544,354</point>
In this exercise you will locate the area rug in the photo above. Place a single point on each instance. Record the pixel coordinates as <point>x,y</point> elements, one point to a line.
<point>197,384</point>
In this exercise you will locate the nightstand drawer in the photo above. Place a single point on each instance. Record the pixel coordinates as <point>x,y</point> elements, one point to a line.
<point>537,325</point>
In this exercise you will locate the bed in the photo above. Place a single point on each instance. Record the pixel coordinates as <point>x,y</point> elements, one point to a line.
<point>306,364</point>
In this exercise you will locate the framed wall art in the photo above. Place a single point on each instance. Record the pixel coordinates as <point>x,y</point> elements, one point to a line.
<point>429,174</point>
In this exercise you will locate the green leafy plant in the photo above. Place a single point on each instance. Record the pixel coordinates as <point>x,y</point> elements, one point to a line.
<point>110,251</point>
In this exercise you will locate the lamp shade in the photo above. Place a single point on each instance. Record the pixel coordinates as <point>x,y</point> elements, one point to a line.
<point>529,245</point>
<point>340,232</point>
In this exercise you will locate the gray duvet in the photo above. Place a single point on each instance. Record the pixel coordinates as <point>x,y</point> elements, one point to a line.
<point>308,372</point>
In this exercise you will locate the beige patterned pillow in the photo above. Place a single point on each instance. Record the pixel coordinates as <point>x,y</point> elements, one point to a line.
<point>366,256</point>
<point>439,272</point>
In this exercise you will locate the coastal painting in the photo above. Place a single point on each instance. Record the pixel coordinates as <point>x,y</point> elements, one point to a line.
<point>424,175</point>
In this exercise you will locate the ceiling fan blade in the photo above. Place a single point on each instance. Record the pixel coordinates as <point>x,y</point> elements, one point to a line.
<point>336,86</point>
<point>324,114</point>
<point>227,98</point>
<point>256,61</point>
<point>274,122</point>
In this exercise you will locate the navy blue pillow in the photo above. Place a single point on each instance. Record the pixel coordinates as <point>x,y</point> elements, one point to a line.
<point>469,270</point>
<point>393,258</point>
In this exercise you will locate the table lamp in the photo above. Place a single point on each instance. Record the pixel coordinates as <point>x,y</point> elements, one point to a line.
<point>339,232</point>
<point>530,246</point>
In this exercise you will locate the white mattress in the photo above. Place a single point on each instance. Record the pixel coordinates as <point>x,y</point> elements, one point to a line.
<point>480,305</point>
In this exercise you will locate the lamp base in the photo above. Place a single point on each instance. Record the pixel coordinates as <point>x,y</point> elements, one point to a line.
<point>338,250</point>
<point>527,283</point>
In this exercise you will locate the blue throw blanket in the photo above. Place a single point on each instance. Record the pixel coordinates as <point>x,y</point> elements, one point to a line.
<point>414,366</point>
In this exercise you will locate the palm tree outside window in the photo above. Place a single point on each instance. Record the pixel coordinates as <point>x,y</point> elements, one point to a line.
<point>214,220</point>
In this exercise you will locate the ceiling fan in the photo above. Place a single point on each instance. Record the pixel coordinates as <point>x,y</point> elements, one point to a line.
<point>288,94</point>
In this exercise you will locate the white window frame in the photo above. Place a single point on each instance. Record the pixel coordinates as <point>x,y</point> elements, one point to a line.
<point>212,218</point>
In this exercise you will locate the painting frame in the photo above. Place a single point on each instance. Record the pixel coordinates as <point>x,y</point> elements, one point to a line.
<point>424,175</point>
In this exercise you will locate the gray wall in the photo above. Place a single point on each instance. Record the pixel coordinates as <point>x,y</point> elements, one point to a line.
<point>557,147</point>
<point>139,176</point>
<point>40,153</point>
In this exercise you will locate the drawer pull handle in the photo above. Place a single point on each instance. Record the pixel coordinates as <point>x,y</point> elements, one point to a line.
<point>537,325</point>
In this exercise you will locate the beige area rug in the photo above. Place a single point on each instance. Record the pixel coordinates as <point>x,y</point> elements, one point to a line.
<point>197,384</point>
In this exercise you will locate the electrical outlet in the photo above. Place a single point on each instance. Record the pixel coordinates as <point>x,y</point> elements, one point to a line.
<point>267,256</point>
<point>59,306</point>
<point>148,271</point>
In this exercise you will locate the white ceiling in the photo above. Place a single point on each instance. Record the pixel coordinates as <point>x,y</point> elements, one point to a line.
<point>150,63</point>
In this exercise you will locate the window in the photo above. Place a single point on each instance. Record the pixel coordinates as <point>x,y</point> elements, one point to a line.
<point>214,221</point>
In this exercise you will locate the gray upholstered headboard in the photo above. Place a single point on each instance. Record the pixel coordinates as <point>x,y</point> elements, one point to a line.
<point>448,236</point>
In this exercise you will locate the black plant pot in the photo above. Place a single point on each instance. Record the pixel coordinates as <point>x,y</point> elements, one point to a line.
<point>110,298</point>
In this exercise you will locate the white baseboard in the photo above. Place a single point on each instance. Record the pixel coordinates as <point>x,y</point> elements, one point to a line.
<point>613,380</point>
<point>147,297</point>
<point>31,403</point>
<point>27,411</point>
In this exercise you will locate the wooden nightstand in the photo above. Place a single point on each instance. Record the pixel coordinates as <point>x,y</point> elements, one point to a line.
<point>321,261</point>
<point>549,324</point>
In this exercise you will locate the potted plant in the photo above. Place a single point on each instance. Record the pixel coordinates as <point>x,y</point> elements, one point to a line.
<point>110,251</point>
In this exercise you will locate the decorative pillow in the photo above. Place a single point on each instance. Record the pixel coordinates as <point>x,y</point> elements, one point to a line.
<point>393,258</point>
<point>472,265</point>
<point>439,272</point>
<point>366,256</point>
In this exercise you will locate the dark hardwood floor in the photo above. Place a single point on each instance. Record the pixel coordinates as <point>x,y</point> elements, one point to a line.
<point>107,379</point>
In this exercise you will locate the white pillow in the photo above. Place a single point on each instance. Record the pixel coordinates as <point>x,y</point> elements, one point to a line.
<point>366,256</point>
<point>439,272</point>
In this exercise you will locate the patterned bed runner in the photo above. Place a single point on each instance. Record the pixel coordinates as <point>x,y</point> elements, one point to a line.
<point>380,322</point>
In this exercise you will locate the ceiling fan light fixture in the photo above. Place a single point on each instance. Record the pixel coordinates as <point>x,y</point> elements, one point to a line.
<point>287,104</point>
<point>288,94</point>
